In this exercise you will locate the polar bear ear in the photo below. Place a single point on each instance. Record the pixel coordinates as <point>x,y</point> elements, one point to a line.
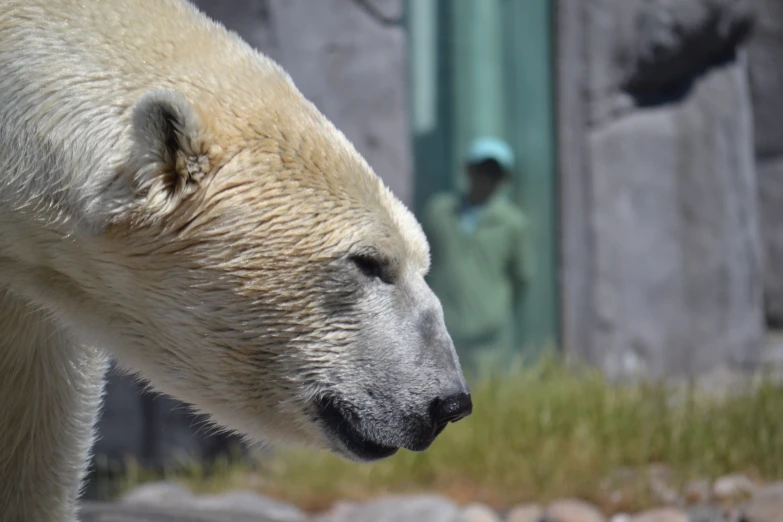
<point>171,158</point>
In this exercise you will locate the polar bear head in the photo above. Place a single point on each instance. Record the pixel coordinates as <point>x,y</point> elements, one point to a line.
<point>257,268</point>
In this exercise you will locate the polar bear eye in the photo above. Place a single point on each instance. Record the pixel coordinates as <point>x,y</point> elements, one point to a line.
<point>371,266</point>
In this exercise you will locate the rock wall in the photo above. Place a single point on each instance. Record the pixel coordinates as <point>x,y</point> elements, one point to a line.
<point>765,53</point>
<point>662,267</point>
<point>348,57</point>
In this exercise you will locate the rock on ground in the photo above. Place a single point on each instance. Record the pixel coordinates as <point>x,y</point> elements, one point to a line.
<point>99,512</point>
<point>732,487</point>
<point>710,513</point>
<point>572,510</point>
<point>661,515</point>
<point>393,508</point>
<point>478,513</point>
<point>237,503</point>
<point>765,506</point>
<point>525,513</point>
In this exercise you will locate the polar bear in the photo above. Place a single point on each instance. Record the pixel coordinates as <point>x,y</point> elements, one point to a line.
<point>169,198</point>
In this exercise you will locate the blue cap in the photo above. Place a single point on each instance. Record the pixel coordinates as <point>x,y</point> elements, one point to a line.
<point>488,148</point>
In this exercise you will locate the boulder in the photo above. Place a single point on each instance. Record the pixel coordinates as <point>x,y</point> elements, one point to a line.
<point>400,508</point>
<point>765,53</point>
<point>572,510</point>
<point>765,506</point>
<point>666,269</point>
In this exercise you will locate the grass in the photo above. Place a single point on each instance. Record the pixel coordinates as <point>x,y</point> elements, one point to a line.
<point>545,432</point>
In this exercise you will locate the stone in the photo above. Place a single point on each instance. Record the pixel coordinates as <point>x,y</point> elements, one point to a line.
<point>337,510</point>
<point>645,52</point>
<point>105,512</point>
<point>159,494</point>
<point>765,506</point>
<point>400,508</point>
<point>249,503</point>
<point>659,481</point>
<point>732,486</point>
<point>170,495</point>
<point>671,43</point>
<point>661,515</point>
<point>677,265</point>
<point>572,510</point>
<point>662,246</point>
<point>525,513</point>
<point>708,513</point>
<point>770,182</point>
<point>765,52</point>
<point>698,491</point>
<point>478,513</point>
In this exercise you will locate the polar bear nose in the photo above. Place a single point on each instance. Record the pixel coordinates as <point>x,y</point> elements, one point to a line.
<point>451,408</point>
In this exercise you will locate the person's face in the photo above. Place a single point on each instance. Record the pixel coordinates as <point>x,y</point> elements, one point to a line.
<point>484,180</point>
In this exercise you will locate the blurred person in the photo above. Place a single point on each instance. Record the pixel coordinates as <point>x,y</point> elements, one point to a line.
<point>480,255</point>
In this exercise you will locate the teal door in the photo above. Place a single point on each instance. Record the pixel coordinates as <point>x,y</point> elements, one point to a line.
<point>481,67</point>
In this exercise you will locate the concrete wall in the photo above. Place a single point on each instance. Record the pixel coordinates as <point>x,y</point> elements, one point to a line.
<point>661,246</point>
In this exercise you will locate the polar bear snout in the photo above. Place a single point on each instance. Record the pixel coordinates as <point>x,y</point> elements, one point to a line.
<point>401,384</point>
<point>365,434</point>
<point>452,408</point>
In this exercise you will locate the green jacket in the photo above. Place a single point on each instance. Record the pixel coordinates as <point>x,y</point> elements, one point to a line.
<point>479,274</point>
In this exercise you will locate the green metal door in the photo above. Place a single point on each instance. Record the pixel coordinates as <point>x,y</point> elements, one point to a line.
<point>485,67</point>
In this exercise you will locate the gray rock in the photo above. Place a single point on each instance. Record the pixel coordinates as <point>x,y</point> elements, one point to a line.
<point>99,512</point>
<point>250,503</point>
<point>729,487</point>
<point>653,50</point>
<point>668,514</point>
<point>478,513</point>
<point>698,491</point>
<point>662,250</point>
<point>399,508</point>
<point>765,53</point>
<point>708,513</point>
<point>620,517</point>
<point>677,246</point>
<point>170,495</point>
<point>673,41</point>
<point>158,494</point>
<point>770,182</point>
<point>765,506</point>
<point>525,513</point>
<point>572,510</point>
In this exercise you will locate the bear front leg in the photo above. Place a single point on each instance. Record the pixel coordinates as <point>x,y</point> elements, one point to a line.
<point>50,393</point>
